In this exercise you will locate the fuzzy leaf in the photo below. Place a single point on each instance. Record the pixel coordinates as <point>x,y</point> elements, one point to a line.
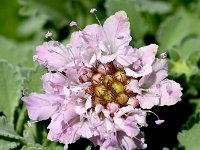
<point>9,139</point>
<point>185,57</point>
<point>153,7</point>
<point>29,134</point>
<point>7,145</point>
<point>33,82</point>
<point>9,18</point>
<point>34,147</point>
<point>6,130</point>
<point>10,89</point>
<point>18,54</point>
<point>177,27</point>
<point>189,48</point>
<point>190,138</point>
<point>59,15</point>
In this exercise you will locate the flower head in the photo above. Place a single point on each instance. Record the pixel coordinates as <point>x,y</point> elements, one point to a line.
<point>100,85</point>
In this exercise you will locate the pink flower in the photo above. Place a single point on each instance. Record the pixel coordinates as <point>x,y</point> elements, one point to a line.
<point>97,85</point>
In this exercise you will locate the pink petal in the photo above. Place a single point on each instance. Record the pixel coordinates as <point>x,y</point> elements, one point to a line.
<point>52,55</point>
<point>133,85</point>
<point>117,30</point>
<point>144,71</point>
<point>107,58</point>
<point>148,53</point>
<point>42,106</point>
<point>126,56</point>
<point>170,92</point>
<point>148,101</point>
<point>53,83</point>
<point>158,122</point>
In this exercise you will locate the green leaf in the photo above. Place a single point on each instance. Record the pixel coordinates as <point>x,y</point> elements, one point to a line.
<point>32,25</point>
<point>182,67</point>
<point>10,89</point>
<point>33,82</point>
<point>189,48</point>
<point>59,12</point>
<point>18,54</point>
<point>9,18</point>
<point>177,27</point>
<point>7,145</point>
<point>138,25</point>
<point>29,134</point>
<point>34,147</point>
<point>6,130</point>
<point>190,138</point>
<point>195,102</point>
<point>89,147</point>
<point>153,7</point>
<point>8,137</point>
<point>185,57</point>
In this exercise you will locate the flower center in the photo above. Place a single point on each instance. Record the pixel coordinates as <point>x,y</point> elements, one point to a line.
<point>109,84</point>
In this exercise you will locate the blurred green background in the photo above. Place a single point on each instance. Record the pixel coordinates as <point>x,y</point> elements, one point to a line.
<point>172,24</point>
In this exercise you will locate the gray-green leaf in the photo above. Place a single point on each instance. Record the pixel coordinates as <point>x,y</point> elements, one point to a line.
<point>190,138</point>
<point>10,89</point>
<point>8,137</point>
<point>177,27</point>
<point>33,82</point>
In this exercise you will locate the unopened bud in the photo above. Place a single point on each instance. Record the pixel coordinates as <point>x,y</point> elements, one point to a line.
<point>104,68</point>
<point>108,79</point>
<point>85,74</point>
<point>117,65</point>
<point>89,90</point>
<point>118,87</point>
<point>109,96</point>
<point>122,99</point>
<point>97,100</point>
<point>120,76</point>
<point>112,107</point>
<point>97,78</point>
<point>133,102</point>
<point>100,90</point>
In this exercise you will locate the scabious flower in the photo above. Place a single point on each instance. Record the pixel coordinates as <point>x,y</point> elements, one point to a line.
<point>100,88</point>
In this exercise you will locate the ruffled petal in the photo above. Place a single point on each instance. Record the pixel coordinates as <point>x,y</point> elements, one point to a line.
<point>42,106</point>
<point>147,101</point>
<point>117,31</point>
<point>148,53</point>
<point>170,92</point>
<point>52,55</point>
<point>53,83</point>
